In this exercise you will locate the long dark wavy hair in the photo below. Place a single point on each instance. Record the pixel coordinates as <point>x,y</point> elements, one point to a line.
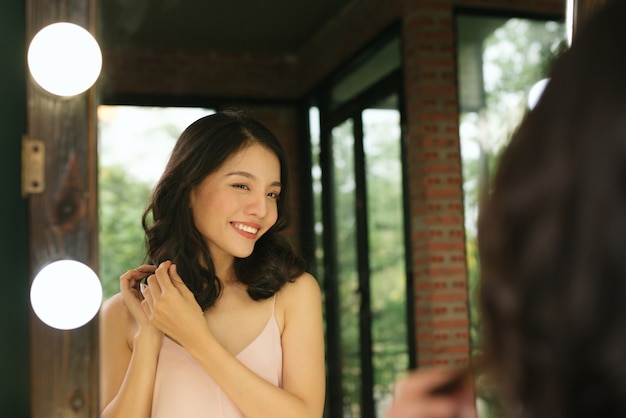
<point>168,222</point>
<point>552,238</point>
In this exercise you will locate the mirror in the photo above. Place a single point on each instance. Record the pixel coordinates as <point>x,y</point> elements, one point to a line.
<point>119,85</point>
<point>238,61</point>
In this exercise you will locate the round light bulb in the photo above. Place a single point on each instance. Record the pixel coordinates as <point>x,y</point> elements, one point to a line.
<point>535,92</point>
<point>66,294</point>
<point>64,59</point>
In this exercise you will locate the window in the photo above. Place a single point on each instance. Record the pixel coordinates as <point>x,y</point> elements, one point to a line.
<point>360,218</point>
<point>134,144</point>
<point>499,60</point>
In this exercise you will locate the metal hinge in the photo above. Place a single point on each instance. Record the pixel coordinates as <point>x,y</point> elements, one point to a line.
<point>33,165</point>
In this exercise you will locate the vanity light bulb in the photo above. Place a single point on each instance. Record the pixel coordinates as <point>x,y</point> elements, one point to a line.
<point>536,91</point>
<point>64,59</point>
<point>66,294</point>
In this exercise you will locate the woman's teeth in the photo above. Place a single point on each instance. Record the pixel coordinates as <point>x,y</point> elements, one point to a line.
<point>246,228</point>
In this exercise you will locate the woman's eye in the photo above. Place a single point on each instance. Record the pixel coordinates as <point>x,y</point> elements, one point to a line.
<point>241,186</point>
<point>274,195</point>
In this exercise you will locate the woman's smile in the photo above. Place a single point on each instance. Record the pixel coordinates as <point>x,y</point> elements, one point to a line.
<point>248,230</point>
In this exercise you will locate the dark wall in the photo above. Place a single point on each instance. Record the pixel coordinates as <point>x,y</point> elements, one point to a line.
<point>14,305</point>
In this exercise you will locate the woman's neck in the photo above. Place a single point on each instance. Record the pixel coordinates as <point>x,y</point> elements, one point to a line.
<point>225,270</point>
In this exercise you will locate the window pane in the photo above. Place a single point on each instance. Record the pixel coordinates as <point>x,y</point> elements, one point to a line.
<point>316,177</point>
<point>381,63</point>
<point>344,190</point>
<point>134,144</point>
<point>381,143</point>
<point>500,59</point>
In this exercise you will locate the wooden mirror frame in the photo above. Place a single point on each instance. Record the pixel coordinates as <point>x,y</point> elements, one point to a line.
<point>63,224</point>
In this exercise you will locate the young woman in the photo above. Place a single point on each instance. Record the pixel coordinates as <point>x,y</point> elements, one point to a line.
<point>224,322</point>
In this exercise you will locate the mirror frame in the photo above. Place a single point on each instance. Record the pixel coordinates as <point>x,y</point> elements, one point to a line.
<point>62,222</point>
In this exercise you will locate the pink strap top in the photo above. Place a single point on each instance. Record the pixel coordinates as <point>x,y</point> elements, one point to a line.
<point>184,389</point>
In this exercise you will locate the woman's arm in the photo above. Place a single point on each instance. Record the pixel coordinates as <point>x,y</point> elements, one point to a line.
<point>302,394</point>
<point>127,373</point>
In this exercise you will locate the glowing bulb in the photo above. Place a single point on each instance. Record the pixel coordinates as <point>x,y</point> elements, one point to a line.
<point>535,92</point>
<point>66,294</point>
<point>64,59</point>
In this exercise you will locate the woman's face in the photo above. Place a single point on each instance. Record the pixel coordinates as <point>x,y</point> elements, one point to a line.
<point>235,205</point>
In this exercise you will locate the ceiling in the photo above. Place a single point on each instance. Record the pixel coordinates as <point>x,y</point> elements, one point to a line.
<point>259,26</point>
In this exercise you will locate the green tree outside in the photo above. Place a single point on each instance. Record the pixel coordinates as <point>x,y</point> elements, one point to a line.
<point>122,203</point>
<point>516,56</point>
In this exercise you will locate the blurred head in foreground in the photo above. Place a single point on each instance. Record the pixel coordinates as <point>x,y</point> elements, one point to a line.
<point>552,238</point>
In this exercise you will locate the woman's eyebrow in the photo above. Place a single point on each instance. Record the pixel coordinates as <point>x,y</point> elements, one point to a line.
<point>251,177</point>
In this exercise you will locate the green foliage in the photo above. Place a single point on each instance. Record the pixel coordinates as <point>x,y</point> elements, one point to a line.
<point>386,256</point>
<point>516,55</point>
<point>122,202</point>
<point>520,53</point>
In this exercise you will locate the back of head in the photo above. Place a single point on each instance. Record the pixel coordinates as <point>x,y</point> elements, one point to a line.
<point>552,237</point>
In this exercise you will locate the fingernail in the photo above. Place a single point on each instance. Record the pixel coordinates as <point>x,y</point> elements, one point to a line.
<point>143,287</point>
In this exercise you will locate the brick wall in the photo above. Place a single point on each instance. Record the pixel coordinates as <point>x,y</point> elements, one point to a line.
<point>435,183</point>
<point>437,233</point>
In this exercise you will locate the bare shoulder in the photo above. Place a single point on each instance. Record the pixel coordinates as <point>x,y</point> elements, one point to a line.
<point>301,298</point>
<point>115,320</point>
<point>113,308</point>
<point>304,287</point>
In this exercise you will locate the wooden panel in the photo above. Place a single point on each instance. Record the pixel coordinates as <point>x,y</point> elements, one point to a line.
<point>63,225</point>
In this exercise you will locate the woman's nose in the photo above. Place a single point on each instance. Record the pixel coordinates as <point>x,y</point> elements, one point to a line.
<point>257,205</point>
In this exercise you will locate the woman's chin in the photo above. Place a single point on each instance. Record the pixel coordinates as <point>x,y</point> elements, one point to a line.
<point>244,253</point>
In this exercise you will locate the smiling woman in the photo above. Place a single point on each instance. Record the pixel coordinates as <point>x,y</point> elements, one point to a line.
<point>228,310</point>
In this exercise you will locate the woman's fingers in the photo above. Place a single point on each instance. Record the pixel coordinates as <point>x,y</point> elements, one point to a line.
<point>168,303</point>
<point>164,275</point>
<point>424,408</point>
<point>169,280</point>
<point>179,284</point>
<point>433,393</point>
<point>130,287</point>
<point>131,279</point>
<point>145,269</point>
<point>146,305</point>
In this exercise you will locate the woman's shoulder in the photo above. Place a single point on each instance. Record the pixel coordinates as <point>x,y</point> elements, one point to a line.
<point>302,289</point>
<point>114,315</point>
<point>113,306</point>
<point>305,282</point>
<point>299,305</point>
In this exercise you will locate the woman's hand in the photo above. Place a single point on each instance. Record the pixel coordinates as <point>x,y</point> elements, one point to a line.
<point>130,288</point>
<point>171,306</point>
<point>434,394</point>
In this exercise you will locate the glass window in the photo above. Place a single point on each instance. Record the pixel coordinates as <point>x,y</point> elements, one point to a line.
<point>499,60</point>
<point>382,148</point>
<point>360,220</point>
<point>134,144</point>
